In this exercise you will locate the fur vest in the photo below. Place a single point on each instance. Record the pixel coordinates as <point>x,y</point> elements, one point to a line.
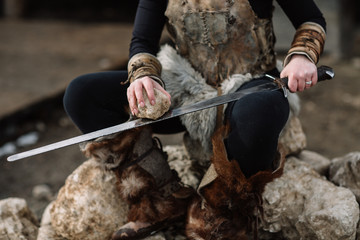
<point>187,86</point>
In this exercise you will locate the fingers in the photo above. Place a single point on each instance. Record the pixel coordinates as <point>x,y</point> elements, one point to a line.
<point>160,88</point>
<point>149,89</point>
<point>301,81</point>
<point>132,100</point>
<point>314,78</point>
<point>135,93</point>
<point>301,73</point>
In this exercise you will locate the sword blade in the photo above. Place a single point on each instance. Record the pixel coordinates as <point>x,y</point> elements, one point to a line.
<point>212,102</point>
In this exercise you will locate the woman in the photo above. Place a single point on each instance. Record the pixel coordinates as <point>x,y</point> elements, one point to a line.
<point>220,46</point>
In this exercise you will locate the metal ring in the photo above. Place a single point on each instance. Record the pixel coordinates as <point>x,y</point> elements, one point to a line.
<point>309,82</point>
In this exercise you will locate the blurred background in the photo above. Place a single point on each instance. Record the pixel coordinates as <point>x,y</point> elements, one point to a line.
<point>45,44</point>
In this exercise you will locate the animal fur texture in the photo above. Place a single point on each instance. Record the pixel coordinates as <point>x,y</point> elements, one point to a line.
<point>187,86</point>
<point>111,150</point>
<point>136,186</point>
<point>232,203</point>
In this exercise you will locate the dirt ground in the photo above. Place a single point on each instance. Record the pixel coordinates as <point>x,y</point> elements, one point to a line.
<point>330,116</point>
<point>331,111</point>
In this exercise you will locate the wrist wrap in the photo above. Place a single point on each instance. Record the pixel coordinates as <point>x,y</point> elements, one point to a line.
<point>309,41</point>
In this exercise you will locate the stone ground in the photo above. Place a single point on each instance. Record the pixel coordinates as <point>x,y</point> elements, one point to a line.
<point>42,55</point>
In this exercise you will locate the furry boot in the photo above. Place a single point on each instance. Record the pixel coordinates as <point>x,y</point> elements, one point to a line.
<point>229,205</point>
<point>153,191</point>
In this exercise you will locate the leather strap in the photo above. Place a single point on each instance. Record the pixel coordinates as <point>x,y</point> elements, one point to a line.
<point>154,161</point>
<point>144,64</point>
<point>309,40</point>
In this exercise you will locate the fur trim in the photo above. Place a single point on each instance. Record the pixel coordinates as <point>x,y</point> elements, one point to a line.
<point>187,86</point>
<point>231,202</point>
<point>134,183</point>
<point>111,150</point>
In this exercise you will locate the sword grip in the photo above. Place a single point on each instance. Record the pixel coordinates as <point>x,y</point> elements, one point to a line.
<point>324,73</point>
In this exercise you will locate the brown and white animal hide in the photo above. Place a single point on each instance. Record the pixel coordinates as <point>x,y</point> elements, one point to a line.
<point>146,202</point>
<point>136,186</point>
<point>231,204</point>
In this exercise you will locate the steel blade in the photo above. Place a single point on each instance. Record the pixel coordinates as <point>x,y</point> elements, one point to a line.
<point>213,102</point>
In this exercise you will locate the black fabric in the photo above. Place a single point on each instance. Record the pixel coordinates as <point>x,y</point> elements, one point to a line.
<point>256,121</point>
<point>298,11</point>
<point>301,11</point>
<point>148,26</point>
<point>150,19</point>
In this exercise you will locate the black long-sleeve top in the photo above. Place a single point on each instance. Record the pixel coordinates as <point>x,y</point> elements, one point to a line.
<point>150,19</point>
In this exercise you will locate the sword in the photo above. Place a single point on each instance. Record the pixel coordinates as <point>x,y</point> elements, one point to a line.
<point>324,73</point>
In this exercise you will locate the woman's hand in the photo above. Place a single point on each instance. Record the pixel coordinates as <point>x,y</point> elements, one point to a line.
<point>135,93</point>
<point>301,72</point>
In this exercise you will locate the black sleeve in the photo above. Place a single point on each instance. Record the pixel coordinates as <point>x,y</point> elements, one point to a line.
<point>300,11</point>
<point>149,23</point>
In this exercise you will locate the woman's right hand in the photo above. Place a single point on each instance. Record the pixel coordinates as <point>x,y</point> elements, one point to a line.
<point>135,93</point>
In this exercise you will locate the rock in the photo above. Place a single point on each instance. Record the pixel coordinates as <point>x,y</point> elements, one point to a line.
<point>179,161</point>
<point>345,172</point>
<point>46,231</point>
<point>318,162</point>
<point>17,222</point>
<point>88,205</point>
<point>154,111</point>
<point>299,205</point>
<point>293,138</point>
<point>303,205</point>
<point>42,192</point>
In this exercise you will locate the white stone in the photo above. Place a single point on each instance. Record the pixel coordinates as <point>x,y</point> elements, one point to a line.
<point>345,172</point>
<point>42,192</point>
<point>46,231</point>
<point>293,138</point>
<point>17,222</point>
<point>154,111</point>
<point>303,205</point>
<point>318,162</point>
<point>88,206</point>
<point>180,161</point>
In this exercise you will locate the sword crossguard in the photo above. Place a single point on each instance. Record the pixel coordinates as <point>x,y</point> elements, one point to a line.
<point>280,83</point>
<point>324,73</point>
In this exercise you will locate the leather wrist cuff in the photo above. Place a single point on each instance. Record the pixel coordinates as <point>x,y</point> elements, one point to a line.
<point>309,40</point>
<point>144,64</point>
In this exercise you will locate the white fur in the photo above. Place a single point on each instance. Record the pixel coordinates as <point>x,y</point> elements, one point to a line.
<point>132,185</point>
<point>187,86</point>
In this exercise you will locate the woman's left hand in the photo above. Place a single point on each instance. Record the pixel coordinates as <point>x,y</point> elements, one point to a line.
<point>301,72</point>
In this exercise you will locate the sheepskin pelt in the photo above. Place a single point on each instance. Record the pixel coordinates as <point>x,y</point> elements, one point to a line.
<point>187,86</point>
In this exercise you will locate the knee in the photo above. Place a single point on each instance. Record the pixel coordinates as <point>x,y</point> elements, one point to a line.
<point>75,94</point>
<point>261,110</point>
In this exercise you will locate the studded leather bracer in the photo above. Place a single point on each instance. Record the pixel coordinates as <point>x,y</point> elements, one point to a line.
<point>309,40</point>
<point>144,64</point>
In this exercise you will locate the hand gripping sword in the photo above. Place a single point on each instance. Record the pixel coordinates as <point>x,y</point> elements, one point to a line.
<point>324,73</point>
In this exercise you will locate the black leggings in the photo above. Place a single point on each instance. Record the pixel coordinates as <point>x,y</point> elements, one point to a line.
<point>98,100</point>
